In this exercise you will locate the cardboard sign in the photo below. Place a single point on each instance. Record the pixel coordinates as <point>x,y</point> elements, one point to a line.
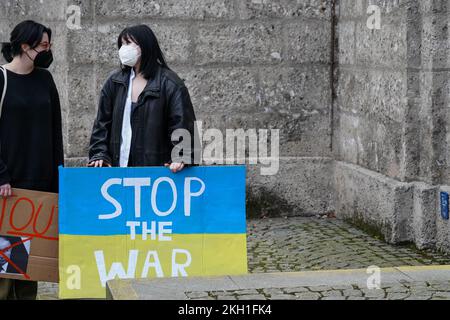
<point>29,236</point>
<point>148,222</point>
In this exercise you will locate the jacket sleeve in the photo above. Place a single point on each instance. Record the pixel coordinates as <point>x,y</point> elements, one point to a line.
<point>182,116</point>
<point>101,132</point>
<point>58,145</point>
<point>4,174</point>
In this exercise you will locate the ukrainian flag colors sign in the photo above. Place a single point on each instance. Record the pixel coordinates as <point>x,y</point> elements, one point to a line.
<point>149,222</point>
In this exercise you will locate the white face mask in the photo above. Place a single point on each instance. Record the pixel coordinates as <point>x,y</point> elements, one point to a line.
<point>129,55</point>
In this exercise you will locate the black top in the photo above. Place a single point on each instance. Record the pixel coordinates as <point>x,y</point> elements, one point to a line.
<point>133,106</point>
<point>31,144</point>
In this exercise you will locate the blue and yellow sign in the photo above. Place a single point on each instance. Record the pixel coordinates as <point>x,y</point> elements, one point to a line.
<point>149,222</point>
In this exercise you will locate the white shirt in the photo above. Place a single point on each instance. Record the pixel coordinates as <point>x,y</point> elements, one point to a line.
<point>125,144</point>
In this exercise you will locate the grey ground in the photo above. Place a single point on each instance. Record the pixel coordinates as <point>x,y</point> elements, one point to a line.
<point>308,244</point>
<point>407,291</point>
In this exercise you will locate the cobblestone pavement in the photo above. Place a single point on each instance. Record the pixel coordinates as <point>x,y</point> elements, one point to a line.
<point>405,291</point>
<point>300,244</point>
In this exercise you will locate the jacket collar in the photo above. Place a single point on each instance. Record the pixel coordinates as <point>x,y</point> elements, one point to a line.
<point>153,86</point>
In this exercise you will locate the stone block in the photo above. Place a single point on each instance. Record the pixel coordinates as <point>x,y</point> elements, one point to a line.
<point>238,43</point>
<point>181,9</point>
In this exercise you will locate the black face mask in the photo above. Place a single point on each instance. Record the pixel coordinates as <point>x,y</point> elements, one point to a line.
<point>43,59</point>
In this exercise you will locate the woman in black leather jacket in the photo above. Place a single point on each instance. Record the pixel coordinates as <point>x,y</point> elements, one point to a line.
<point>140,107</point>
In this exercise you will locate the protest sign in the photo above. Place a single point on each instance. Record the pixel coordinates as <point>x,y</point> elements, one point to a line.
<point>29,236</point>
<point>149,222</point>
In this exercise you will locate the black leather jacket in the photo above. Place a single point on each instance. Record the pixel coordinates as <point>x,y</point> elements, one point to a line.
<point>163,106</point>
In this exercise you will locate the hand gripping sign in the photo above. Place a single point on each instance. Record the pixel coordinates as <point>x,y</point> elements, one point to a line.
<point>149,222</point>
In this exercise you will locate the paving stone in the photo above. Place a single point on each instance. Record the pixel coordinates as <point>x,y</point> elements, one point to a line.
<point>441,287</point>
<point>332,293</point>
<point>252,297</point>
<point>308,296</point>
<point>283,297</point>
<point>273,291</point>
<point>420,292</point>
<point>247,291</point>
<point>376,293</point>
<point>348,287</point>
<point>352,293</point>
<point>419,297</point>
<point>194,295</point>
<point>334,298</point>
<point>320,288</point>
<point>442,294</point>
<point>226,298</point>
<point>397,295</point>
<point>296,290</point>
<point>396,289</point>
<point>203,298</point>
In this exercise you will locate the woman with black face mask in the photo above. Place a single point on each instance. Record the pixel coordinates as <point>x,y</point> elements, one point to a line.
<point>31,145</point>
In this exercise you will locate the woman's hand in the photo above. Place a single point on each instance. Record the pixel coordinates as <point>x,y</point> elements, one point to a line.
<point>5,190</point>
<point>175,166</point>
<point>99,164</point>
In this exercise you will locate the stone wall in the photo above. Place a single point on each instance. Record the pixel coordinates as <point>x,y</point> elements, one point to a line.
<point>392,98</point>
<point>248,64</point>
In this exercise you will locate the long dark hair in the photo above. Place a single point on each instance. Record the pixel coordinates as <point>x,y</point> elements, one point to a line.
<point>27,32</point>
<point>151,54</point>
